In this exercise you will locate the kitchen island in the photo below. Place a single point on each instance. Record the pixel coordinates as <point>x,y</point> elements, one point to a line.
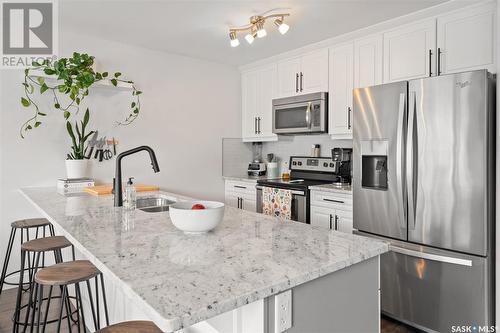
<point>153,271</point>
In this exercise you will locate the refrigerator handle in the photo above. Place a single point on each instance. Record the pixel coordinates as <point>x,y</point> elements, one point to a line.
<point>430,256</point>
<point>400,161</point>
<point>410,145</point>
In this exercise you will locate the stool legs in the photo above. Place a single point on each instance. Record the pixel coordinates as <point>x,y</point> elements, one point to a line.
<point>65,305</point>
<point>10,244</point>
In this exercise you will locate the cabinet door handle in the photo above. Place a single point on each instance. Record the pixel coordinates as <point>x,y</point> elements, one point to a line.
<point>301,80</point>
<point>239,186</point>
<point>439,61</point>
<point>349,117</point>
<point>296,82</point>
<point>255,125</point>
<point>336,222</point>
<point>241,203</point>
<point>330,221</point>
<point>332,200</point>
<point>238,202</point>
<point>258,125</point>
<point>430,62</point>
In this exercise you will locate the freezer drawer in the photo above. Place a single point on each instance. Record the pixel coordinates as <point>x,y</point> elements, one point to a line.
<point>435,290</point>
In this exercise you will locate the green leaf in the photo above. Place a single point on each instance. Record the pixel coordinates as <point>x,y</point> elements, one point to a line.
<point>41,114</point>
<point>26,71</point>
<point>138,92</point>
<point>117,74</point>
<point>40,80</point>
<point>104,74</point>
<point>49,71</point>
<point>136,110</point>
<point>25,102</point>
<point>37,124</point>
<point>114,82</point>
<point>61,88</point>
<point>66,114</point>
<point>132,105</point>
<point>43,88</point>
<point>86,118</point>
<point>28,127</point>
<point>57,105</point>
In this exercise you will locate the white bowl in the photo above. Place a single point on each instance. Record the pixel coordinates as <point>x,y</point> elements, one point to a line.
<point>196,220</point>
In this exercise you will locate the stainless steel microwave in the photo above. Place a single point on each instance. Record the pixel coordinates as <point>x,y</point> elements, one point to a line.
<point>301,114</point>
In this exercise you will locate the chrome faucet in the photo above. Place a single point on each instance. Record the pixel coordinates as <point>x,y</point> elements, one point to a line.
<point>117,185</point>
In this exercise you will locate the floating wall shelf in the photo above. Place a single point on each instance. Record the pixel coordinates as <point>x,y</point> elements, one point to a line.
<point>100,84</point>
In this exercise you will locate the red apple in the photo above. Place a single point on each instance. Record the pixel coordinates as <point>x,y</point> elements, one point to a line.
<point>198,206</point>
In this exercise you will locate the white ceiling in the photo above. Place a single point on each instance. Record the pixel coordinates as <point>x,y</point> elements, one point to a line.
<point>200,28</point>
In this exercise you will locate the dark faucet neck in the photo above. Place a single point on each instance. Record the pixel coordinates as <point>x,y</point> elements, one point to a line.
<point>118,170</point>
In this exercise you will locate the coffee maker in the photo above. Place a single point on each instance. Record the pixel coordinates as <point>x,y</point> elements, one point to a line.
<point>341,158</point>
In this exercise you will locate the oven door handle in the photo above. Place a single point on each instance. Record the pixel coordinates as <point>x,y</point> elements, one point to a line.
<point>295,192</point>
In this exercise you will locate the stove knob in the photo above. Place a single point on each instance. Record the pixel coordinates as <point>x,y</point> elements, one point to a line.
<point>300,163</point>
<point>325,164</point>
<point>332,165</point>
<point>294,163</point>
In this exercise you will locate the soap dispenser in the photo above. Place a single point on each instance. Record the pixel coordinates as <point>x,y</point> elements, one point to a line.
<point>130,195</point>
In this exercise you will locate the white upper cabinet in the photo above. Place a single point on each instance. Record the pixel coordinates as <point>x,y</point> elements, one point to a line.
<point>303,75</point>
<point>314,70</point>
<point>466,40</point>
<point>340,91</point>
<point>258,90</point>
<point>288,77</point>
<point>368,61</point>
<point>409,51</point>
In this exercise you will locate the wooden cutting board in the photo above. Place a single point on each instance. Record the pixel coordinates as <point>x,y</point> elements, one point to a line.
<point>107,189</point>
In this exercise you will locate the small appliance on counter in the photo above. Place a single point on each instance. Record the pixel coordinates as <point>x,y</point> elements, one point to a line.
<point>257,167</point>
<point>341,159</point>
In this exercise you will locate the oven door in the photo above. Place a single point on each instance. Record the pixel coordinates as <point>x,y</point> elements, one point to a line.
<point>299,204</point>
<point>300,117</point>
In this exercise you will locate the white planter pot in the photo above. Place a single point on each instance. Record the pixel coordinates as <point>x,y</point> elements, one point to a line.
<point>77,168</point>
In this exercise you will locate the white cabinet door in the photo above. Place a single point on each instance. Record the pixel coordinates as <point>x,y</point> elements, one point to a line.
<point>343,221</point>
<point>313,76</point>
<point>249,98</point>
<point>340,91</point>
<point>250,205</point>
<point>288,77</point>
<point>407,51</point>
<point>231,200</point>
<point>368,61</point>
<point>258,90</point>
<point>322,217</point>
<point>466,40</point>
<point>267,91</point>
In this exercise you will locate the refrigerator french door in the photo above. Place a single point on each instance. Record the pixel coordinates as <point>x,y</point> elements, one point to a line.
<point>423,162</point>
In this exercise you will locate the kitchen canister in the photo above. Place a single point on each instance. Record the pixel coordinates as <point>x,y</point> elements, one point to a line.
<point>315,150</point>
<point>272,170</point>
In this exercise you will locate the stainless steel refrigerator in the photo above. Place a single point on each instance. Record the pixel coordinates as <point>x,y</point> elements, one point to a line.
<point>423,179</point>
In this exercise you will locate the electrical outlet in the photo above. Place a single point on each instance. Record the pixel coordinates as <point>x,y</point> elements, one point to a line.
<point>283,311</point>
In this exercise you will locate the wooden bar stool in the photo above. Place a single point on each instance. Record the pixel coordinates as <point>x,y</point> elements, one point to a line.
<point>38,248</point>
<point>63,275</point>
<point>137,326</point>
<point>25,226</point>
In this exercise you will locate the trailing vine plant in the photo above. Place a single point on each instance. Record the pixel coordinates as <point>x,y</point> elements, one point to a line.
<point>74,75</point>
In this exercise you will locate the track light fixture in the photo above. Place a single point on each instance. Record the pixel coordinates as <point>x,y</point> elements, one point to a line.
<point>256,28</point>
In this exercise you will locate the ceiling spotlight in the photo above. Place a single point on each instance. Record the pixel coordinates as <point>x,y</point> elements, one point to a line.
<point>255,29</point>
<point>261,32</point>
<point>234,40</point>
<point>282,27</point>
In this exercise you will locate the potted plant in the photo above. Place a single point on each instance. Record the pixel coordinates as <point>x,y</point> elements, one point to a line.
<point>76,164</point>
<point>72,79</point>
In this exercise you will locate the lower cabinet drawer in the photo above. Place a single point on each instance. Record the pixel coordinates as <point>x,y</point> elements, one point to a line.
<point>331,200</point>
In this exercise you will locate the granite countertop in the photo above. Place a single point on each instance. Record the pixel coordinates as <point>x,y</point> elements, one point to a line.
<point>181,279</point>
<point>344,189</point>
<point>244,178</point>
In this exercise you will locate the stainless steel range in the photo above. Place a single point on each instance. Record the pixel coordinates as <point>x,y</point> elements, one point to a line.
<point>306,172</point>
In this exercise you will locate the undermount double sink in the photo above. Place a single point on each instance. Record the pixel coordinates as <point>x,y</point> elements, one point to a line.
<point>154,204</point>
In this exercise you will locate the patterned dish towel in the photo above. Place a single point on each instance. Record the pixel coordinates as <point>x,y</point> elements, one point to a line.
<point>277,202</point>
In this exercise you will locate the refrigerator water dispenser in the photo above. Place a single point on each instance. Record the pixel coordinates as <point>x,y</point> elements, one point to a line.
<point>374,164</point>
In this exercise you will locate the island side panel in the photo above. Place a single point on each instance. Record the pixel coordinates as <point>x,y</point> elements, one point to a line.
<point>344,301</point>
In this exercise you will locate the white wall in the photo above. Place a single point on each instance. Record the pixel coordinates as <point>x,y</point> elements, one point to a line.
<point>188,105</point>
